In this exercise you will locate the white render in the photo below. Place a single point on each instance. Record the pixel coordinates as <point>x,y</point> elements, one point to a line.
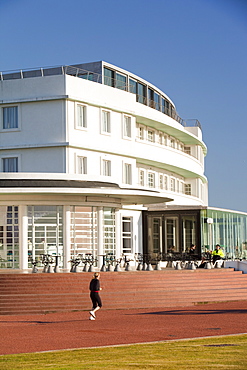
<point>48,142</point>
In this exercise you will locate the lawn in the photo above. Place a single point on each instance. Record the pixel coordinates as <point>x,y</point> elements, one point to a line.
<point>229,352</point>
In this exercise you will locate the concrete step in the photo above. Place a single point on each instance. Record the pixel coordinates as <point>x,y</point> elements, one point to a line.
<point>39,293</point>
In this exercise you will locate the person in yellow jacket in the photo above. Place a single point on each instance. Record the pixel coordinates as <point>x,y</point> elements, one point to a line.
<point>218,253</point>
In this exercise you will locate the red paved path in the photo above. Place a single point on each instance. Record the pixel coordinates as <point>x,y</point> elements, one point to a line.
<point>34,333</point>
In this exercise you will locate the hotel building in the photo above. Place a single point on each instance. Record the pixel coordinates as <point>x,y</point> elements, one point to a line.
<point>96,160</point>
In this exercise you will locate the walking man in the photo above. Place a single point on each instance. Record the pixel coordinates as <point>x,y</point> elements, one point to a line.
<point>95,288</point>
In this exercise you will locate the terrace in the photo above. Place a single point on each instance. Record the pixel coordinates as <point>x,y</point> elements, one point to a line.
<point>144,94</point>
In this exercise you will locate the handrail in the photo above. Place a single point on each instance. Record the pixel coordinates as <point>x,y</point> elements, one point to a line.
<point>96,77</point>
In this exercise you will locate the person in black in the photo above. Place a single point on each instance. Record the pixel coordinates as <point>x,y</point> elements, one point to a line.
<point>95,288</point>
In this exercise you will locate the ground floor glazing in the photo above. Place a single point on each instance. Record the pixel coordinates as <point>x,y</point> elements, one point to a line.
<point>29,231</point>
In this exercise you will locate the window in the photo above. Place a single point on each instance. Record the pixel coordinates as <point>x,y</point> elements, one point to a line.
<point>141,177</point>
<point>165,107</point>
<point>106,126</point>
<point>127,175</point>
<point>151,180</point>
<point>121,81</point>
<point>187,150</point>
<point>172,184</point>
<point>161,181</point>
<point>108,77</point>
<point>81,116</point>
<point>141,133</point>
<point>141,93</point>
<point>151,136</point>
<point>160,138</point>
<point>10,164</point>
<point>166,182</point>
<point>132,86</point>
<point>172,143</point>
<point>127,234</point>
<point>82,165</point>
<point>10,117</point>
<point>127,127</point>
<point>109,231</point>
<point>156,101</point>
<point>106,167</point>
<point>187,189</point>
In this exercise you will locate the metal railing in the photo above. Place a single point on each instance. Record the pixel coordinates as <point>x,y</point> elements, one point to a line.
<point>96,77</point>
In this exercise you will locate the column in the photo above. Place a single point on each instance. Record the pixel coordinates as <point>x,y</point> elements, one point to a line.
<point>118,233</point>
<point>23,242</point>
<point>66,238</point>
<point>100,236</point>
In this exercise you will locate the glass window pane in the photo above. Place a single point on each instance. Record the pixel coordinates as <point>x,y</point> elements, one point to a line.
<point>10,117</point>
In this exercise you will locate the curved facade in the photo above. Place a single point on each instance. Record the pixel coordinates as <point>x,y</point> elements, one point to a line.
<point>84,149</point>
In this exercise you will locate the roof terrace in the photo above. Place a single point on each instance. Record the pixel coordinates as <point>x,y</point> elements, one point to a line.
<point>144,93</point>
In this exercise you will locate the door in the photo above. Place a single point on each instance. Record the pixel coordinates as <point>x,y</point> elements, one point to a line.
<point>154,246</point>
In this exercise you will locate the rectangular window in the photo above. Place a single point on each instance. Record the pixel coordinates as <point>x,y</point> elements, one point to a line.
<point>10,117</point>
<point>127,126</point>
<point>109,231</point>
<point>9,237</point>
<point>166,182</point>
<point>127,234</point>
<point>187,189</point>
<point>173,185</point>
<point>141,93</point>
<point>83,230</point>
<point>161,139</point>
<point>132,86</point>
<point>141,133</point>
<point>151,136</point>
<point>187,150</point>
<point>141,177</point>
<point>151,180</point>
<point>82,165</point>
<point>121,82</point>
<point>165,107</point>
<point>172,143</point>
<point>161,181</point>
<point>108,77</point>
<point>10,164</point>
<point>106,125</point>
<point>127,174</point>
<point>156,101</point>
<point>106,167</point>
<point>151,98</point>
<point>81,116</point>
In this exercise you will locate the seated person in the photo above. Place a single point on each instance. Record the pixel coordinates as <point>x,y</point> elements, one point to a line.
<point>218,253</point>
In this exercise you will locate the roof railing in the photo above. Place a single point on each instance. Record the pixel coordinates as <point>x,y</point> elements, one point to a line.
<point>96,77</point>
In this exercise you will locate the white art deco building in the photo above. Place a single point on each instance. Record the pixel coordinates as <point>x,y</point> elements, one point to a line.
<point>85,149</point>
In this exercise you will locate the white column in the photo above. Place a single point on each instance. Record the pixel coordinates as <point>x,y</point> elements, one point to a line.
<point>118,232</point>
<point>100,236</point>
<point>66,238</point>
<point>23,243</point>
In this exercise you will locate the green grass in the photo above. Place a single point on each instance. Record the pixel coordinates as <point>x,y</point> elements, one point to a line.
<point>228,352</point>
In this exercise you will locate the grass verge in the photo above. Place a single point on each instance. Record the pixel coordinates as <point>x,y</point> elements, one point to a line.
<point>228,352</point>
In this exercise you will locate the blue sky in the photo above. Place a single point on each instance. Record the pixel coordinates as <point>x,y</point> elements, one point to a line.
<point>193,50</point>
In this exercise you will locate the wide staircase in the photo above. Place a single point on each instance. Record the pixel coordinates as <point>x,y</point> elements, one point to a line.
<point>61,292</point>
